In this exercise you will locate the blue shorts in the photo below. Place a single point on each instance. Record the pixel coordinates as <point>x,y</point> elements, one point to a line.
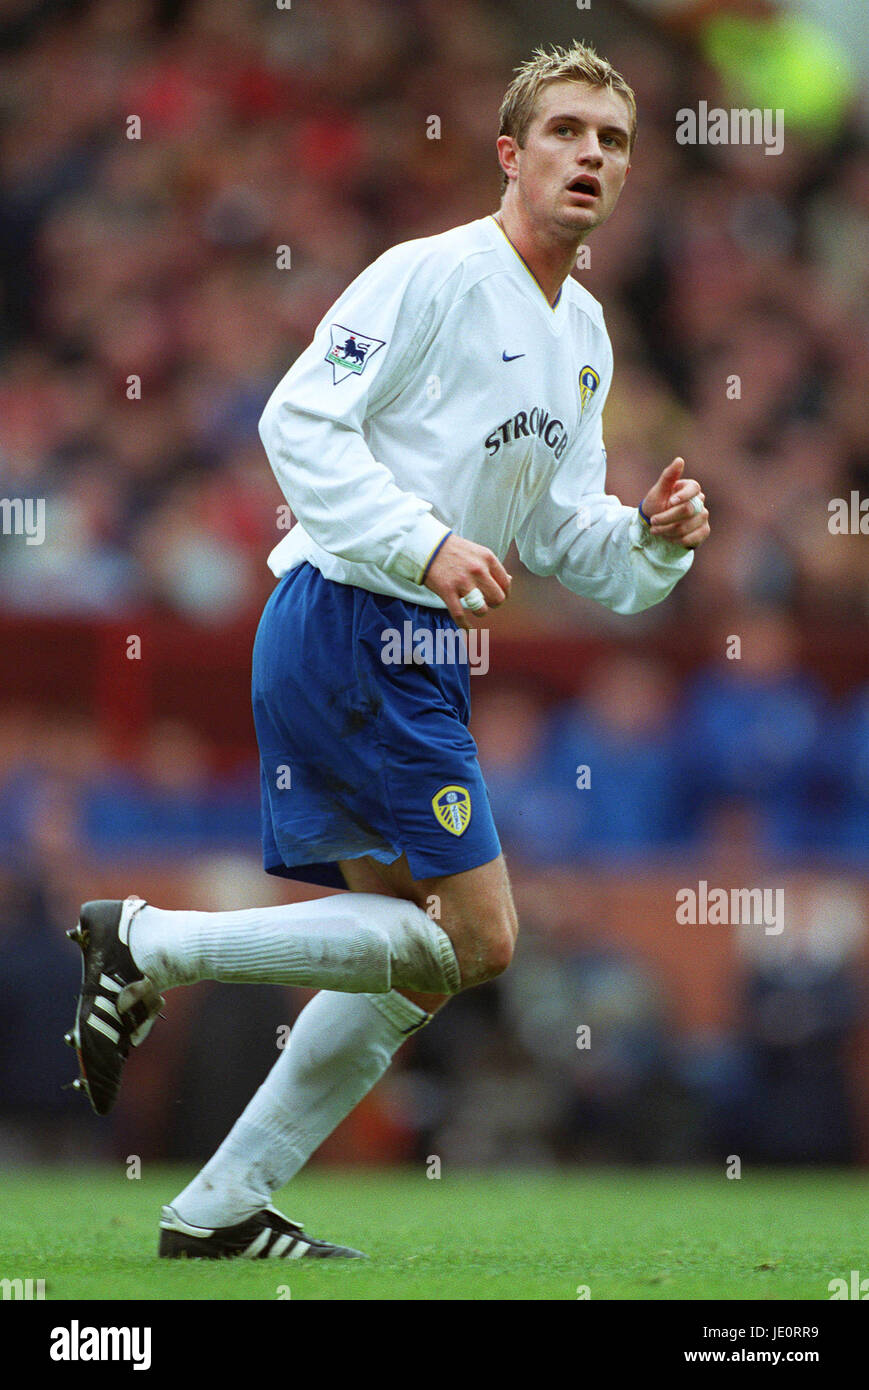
<point>360,756</point>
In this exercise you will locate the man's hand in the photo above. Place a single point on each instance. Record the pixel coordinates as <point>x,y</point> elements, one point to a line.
<point>461,566</point>
<point>668,505</point>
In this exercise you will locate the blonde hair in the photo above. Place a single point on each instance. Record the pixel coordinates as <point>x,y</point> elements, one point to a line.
<point>579,63</point>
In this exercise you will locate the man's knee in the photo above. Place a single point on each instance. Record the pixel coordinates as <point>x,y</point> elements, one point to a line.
<point>484,949</point>
<point>497,954</point>
<point>476,910</point>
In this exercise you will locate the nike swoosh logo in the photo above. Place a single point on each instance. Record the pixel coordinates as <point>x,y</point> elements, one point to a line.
<point>505,358</point>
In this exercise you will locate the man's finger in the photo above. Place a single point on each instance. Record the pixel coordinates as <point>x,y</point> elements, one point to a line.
<point>696,536</point>
<point>469,618</point>
<point>460,616</point>
<point>671,473</point>
<point>500,575</point>
<point>685,532</point>
<point>679,528</point>
<point>682,511</point>
<point>473,601</point>
<point>688,487</point>
<point>492,592</point>
<point>479,593</point>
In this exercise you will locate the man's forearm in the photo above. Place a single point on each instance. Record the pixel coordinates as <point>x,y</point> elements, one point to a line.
<point>347,501</point>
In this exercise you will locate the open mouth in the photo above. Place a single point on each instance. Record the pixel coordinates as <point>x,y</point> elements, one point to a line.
<point>585,184</point>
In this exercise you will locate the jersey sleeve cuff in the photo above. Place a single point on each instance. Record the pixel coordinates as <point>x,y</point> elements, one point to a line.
<point>420,548</point>
<point>664,553</point>
<point>431,557</point>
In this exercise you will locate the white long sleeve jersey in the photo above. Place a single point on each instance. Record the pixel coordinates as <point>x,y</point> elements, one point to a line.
<point>443,393</point>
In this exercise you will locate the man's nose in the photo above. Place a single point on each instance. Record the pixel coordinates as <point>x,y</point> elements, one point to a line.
<point>589,150</point>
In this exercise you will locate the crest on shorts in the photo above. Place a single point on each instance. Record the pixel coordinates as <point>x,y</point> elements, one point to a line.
<point>350,351</point>
<point>452,806</point>
<point>589,381</point>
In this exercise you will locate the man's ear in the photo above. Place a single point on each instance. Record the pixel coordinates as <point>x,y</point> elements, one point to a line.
<point>506,147</point>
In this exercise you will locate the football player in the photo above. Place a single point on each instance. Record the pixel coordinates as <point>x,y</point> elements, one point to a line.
<point>449,404</point>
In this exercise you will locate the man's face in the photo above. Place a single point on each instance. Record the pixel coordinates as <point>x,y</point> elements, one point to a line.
<point>579,135</point>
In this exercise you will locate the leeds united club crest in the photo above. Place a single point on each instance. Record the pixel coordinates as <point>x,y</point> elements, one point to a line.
<point>452,806</point>
<point>589,381</point>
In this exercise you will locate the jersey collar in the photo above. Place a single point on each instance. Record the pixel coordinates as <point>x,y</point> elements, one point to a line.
<point>528,276</point>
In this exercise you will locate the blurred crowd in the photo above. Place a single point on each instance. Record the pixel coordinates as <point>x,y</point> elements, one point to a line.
<point>750,752</point>
<point>155,157</point>
<point>589,1049</point>
<point>734,285</point>
<point>148,310</point>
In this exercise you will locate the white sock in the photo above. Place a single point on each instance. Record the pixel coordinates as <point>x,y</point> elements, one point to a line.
<point>340,1046</point>
<point>355,942</point>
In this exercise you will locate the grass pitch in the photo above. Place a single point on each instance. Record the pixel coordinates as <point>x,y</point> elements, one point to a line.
<point>521,1235</point>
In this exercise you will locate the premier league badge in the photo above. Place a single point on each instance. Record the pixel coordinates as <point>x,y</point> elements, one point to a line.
<point>350,352</point>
